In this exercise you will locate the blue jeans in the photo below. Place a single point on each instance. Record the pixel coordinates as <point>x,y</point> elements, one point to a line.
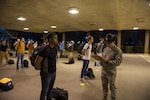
<point>47,81</point>
<point>84,68</point>
<point>20,56</point>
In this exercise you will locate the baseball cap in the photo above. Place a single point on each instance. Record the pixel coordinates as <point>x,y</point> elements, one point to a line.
<point>110,38</point>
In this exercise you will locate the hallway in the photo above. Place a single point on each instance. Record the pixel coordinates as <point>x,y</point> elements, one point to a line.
<point>133,80</point>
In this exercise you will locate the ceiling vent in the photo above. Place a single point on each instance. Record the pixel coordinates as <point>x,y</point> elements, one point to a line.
<point>92,23</point>
<point>140,20</point>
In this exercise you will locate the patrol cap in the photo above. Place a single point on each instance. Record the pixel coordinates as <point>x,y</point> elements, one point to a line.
<point>50,35</point>
<point>110,38</point>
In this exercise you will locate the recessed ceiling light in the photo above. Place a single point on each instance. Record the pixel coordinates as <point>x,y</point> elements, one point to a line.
<point>53,26</point>
<point>26,28</point>
<point>149,4</point>
<point>21,18</point>
<point>45,31</point>
<point>101,29</point>
<point>73,10</point>
<point>135,28</point>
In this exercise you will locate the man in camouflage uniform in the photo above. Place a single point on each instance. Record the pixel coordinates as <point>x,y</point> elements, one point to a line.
<point>112,57</point>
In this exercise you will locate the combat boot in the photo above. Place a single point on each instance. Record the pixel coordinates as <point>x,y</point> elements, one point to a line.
<point>105,98</point>
<point>113,98</point>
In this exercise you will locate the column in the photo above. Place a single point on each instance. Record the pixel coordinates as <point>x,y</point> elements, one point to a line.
<point>63,37</point>
<point>146,46</point>
<point>119,39</point>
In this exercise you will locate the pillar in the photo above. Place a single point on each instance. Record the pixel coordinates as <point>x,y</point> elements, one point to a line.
<point>119,39</point>
<point>64,37</point>
<point>146,46</point>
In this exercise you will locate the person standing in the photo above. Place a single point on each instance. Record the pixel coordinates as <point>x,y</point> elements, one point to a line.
<point>35,44</point>
<point>20,47</point>
<point>70,47</point>
<point>99,49</point>
<point>47,59</point>
<point>18,40</point>
<point>61,47</point>
<point>45,41</point>
<point>3,51</point>
<point>30,47</point>
<point>111,58</point>
<point>86,51</point>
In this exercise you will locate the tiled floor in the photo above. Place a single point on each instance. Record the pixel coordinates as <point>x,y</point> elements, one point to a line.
<point>133,80</point>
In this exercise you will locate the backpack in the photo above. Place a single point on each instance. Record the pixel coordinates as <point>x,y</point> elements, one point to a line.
<point>10,61</point>
<point>35,54</point>
<point>25,63</point>
<point>80,47</point>
<point>89,73</point>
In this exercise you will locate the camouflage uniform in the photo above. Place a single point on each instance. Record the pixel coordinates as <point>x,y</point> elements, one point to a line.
<point>113,57</point>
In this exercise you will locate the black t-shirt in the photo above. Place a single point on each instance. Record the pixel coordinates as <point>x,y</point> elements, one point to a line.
<point>3,47</point>
<point>50,54</point>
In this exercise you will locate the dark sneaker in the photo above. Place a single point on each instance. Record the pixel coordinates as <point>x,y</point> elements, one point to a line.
<point>17,68</point>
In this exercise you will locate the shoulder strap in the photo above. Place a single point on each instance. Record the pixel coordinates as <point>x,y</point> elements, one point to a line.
<point>88,46</point>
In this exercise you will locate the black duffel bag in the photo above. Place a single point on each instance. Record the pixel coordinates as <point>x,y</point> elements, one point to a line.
<point>59,94</point>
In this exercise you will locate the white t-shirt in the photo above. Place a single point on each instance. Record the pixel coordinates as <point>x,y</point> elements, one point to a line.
<point>87,55</point>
